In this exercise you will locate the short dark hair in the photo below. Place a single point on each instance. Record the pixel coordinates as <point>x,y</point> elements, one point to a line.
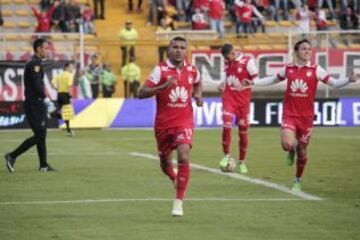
<point>298,43</point>
<point>38,43</point>
<point>67,64</point>
<point>226,49</point>
<point>178,38</point>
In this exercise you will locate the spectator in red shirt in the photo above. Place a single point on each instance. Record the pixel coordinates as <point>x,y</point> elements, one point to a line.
<point>202,4</point>
<point>216,16</point>
<point>198,20</point>
<point>43,18</point>
<point>88,16</point>
<point>245,11</point>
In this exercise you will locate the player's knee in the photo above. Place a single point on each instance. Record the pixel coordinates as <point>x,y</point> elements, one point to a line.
<point>287,145</point>
<point>183,158</point>
<point>243,128</point>
<point>40,135</point>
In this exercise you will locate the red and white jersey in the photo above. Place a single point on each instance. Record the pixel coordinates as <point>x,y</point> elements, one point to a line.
<point>245,12</point>
<point>216,9</point>
<point>174,105</point>
<point>236,71</point>
<point>301,88</point>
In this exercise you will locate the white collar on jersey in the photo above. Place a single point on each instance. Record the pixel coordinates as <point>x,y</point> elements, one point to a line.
<point>170,65</point>
<point>307,64</point>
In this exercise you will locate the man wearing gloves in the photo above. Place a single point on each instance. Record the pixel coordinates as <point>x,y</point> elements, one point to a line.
<point>36,105</point>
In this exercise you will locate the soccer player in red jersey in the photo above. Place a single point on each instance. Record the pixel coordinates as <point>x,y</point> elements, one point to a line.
<point>236,101</point>
<point>298,104</point>
<point>173,83</point>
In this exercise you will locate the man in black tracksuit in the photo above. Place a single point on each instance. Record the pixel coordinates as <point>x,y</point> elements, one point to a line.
<point>36,107</point>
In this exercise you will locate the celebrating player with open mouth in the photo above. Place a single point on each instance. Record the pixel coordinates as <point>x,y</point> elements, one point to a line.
<point>298,104</point>
<point>173,82</point>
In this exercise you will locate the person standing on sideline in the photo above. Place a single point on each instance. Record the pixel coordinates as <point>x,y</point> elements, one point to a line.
<point>298,105</point>
<point>128,37</point>
<point>131,74</point>
<point>108,81</point>
<point>36,105</point>
<point>63,83</point>
<point>236,101</point>
<point>173,83</point>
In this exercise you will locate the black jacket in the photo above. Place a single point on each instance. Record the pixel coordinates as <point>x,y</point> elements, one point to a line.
<point>33,80</point>
<point>345,25</point>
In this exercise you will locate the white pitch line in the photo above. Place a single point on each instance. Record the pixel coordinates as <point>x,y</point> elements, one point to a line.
<point>149,200</point>
<point>275,186</point>
<point>64,138</point>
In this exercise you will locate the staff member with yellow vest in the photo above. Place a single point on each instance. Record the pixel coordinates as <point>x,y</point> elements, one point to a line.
<point>128,37</point>
<point>131,75</point>
<point>63,83</point>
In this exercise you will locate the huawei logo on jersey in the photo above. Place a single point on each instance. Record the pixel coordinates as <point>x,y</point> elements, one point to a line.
<point>176,95</point>
<point>299,88</point>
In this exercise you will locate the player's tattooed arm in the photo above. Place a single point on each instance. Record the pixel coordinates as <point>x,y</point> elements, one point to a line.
<point>198,94</point>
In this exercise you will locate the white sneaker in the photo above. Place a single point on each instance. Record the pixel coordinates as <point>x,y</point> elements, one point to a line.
<point>177,210</point>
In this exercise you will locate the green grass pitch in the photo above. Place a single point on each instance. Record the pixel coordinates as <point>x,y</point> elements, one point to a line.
<point>134,198</point>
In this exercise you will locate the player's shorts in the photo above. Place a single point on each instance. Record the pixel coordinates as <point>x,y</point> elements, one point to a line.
<point>302,127</point>
<point>35,112</point>
<point>241,113</point>
<point>63,98</point>
<point>168,139</point>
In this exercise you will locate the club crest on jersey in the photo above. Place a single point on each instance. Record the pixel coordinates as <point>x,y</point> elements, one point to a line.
<point>308,73</point>
<point>37,68</point>
<point>239,70</point>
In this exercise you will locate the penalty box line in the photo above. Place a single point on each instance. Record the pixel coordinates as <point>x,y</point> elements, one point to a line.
<point>301,194</point>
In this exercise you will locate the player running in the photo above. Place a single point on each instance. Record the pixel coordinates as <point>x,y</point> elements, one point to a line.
<point>173,82</point>
<point>298,104</point>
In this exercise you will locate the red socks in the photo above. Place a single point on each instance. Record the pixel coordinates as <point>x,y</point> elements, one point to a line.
<point>226,140</point>
<point>182,180</point>
<point>300,165</point>
<point>243,143</point>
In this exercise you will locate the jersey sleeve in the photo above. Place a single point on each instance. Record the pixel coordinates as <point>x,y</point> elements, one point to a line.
<point>321,74</point>
<point>252,69</point>
<point>154,78</point>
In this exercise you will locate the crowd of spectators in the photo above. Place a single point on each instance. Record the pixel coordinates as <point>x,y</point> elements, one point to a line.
<point>63,16</point>
<point>246,16</point>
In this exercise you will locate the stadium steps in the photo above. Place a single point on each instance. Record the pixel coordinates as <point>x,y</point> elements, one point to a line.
<point>116,14</point>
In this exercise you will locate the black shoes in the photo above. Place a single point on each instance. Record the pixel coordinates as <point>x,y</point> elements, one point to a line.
<point>48,168</point>
<point>10,162</point>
